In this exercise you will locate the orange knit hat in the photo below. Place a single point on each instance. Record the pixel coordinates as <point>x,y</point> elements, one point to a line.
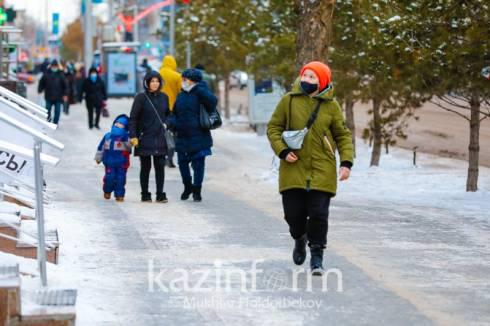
<point>321,70</point>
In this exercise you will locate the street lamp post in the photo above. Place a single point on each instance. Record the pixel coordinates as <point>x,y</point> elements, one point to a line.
<point>172,28</point>
<point>88,46</point>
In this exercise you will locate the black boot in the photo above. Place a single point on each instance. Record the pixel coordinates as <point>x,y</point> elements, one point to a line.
<point>187,191</point>
<point>196,193</point>
<point>170,163</point>
<point>316,262</point>
<point>299,251</point>
<point>146,196</point>
<point>162,198</point>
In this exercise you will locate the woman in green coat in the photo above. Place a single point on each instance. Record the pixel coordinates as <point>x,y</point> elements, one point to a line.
<point>308,176</point>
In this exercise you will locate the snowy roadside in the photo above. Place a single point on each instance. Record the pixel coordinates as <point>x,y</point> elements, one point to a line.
<point>412,229</point>
<point>435,182</point>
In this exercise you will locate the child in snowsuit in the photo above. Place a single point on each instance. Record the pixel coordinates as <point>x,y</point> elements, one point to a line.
<point>114,150</point>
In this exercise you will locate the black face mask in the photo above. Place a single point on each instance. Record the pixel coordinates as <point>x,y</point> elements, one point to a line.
<point>308,88</point>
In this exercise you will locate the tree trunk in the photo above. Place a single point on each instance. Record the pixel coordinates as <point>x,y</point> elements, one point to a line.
<point>227,96</point>
<point>314,30</point>
<point>377,135</point>
<point>349,120</point>
<point>474,147</point>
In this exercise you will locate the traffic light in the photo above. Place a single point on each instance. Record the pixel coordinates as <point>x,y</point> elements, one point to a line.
<point>3,16</point>
<point>11,15</point>
<point>56,23</point>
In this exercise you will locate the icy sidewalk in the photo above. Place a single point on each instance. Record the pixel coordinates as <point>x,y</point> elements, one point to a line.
<point>132,261</point>
<point>412,229</point>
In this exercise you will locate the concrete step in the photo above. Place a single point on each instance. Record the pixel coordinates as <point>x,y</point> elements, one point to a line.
<point>45,307</point>
<point>49,307</point>
<point>26,246</point>
<point>11,208</point>
<point>6,223</point>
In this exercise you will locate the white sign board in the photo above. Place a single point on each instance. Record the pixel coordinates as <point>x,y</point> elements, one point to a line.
<point>121,74</point>
<point>26,117</point>
<point>263,97</point>
<point>17,163</point>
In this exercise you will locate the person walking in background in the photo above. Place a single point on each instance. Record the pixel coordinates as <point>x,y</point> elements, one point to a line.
<point>171,87</point>
<point>147,131</point>
<point>308,176</point>
<point>55,87</point>
<point>79,79</point>
<point>193,143</point>
<point>146,66</point>
<point>114,150</point>
<point>93,89</point>
<point>69,72</point>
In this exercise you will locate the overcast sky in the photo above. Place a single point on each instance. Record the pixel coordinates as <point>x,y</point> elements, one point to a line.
<point>68,9</point>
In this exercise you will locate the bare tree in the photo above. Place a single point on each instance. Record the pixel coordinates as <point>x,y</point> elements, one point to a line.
<point>474,109</point>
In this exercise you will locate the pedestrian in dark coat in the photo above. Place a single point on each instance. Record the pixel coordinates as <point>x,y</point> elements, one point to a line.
<point>69,72</point>
<point>95,94</point>
<point>55,87</point>
<point>193,143</point>
<point>147,131</point>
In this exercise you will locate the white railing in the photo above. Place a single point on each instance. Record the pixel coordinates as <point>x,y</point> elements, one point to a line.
<point>28,134</point>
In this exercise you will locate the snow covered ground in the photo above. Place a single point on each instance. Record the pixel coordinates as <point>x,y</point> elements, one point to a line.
<point>411,243</point>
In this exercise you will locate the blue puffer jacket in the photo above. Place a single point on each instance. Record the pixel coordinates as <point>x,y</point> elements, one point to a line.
<point>190,137</point>
<point>114,148</point>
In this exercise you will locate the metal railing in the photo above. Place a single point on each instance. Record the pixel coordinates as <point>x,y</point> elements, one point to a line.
<point>38,140</point>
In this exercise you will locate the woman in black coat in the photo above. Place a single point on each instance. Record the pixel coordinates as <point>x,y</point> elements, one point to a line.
<point>147,132</point>
<point>193,143</point>
<point>95,94</point>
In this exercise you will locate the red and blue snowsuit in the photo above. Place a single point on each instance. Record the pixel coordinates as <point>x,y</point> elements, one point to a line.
<point>114,151</point>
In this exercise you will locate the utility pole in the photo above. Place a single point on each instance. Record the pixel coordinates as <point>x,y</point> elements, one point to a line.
<point>111,12</point>
<point>135,26</point>
<point>172,28</point>
<point>188,46</point>
<point>188,51</point>
<point>88,49</point>
<point>46,27</point>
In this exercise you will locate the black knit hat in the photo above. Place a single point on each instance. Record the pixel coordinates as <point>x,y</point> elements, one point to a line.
<point>192,74</point>
<point>149,76</point>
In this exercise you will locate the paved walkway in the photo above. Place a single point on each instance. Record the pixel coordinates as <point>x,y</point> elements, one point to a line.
<point>132,260</point>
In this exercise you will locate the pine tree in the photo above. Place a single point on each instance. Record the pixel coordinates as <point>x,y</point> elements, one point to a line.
<point>385,66</point>
<point>222,33</point>
<point>452,44</point>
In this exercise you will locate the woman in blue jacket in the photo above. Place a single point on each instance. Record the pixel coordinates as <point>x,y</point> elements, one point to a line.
<point>193,143</point>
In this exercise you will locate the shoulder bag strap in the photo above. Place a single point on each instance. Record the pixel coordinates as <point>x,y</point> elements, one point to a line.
<point>288,126</point>
<point>313,115</point>
<point>156,112</point>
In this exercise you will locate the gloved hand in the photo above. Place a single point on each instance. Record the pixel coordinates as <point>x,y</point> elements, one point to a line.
<point>134,142</point>
<point>97,161</point>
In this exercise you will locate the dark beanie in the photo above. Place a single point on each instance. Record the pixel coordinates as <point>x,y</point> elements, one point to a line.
<point>192,74</point>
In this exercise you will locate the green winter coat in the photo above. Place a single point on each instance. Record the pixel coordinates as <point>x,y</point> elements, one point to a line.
<point>316,168</point>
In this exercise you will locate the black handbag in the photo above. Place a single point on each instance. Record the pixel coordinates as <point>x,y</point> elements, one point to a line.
<point>209,121</point>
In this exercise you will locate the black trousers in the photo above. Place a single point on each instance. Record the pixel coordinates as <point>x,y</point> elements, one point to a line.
<point>91,108</point>
<point>307,212</point>
<point>159,165</point>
